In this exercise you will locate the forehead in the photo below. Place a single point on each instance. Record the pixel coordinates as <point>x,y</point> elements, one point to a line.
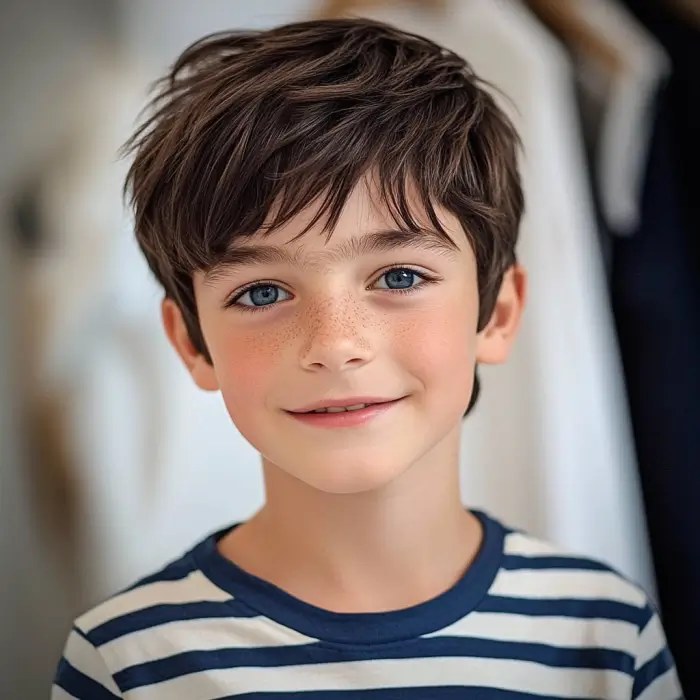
<point>365,226</point>
<point>364,211</point>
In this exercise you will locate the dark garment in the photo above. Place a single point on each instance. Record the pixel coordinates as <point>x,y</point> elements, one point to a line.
<point>680,38</point>
<point>656,298</point>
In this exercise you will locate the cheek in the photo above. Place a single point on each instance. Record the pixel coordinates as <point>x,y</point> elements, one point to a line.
<point>244,364</point>
<point>439,345</point>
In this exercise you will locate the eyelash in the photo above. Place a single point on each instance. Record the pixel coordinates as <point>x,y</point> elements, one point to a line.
<point>425,279</point>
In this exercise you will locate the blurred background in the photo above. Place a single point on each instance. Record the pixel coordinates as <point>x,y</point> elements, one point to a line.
<point>112,463</point>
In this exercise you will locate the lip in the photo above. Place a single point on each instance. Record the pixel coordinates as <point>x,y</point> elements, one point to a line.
<point>342,403</point>
<point>346,419</point>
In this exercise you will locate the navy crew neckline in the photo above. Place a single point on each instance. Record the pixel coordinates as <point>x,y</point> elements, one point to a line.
<point>358,628</point>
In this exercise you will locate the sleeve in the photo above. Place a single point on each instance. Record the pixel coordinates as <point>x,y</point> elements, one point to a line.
<point>82,673</point>
<point>655,676</point>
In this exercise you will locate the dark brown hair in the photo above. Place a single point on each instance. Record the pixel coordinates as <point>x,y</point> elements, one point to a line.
<point>249,128</point>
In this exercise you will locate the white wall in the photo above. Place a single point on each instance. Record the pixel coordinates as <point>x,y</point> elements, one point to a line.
<point>158,30</point>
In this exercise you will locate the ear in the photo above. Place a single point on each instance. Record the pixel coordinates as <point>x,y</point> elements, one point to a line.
<point>199,367</point>
<point>494,342</point>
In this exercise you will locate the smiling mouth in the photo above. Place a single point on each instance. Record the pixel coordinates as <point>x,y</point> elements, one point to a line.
<point>341,409</point>
<point>348,416</point>
<point>346,407</point>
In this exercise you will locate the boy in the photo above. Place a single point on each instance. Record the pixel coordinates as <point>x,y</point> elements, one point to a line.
<point>332,209</point>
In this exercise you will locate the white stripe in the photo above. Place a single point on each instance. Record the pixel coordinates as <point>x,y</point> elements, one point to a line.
<point>60,694</point>
<point>556,583</point>
<point>394,673</point>
<point>198,635</point>
<point>651,642</point>
<point>568,632</point>
<point>85,658</point>
<point>665,687</point>
<point>195,588</point>
<point>517,543</point>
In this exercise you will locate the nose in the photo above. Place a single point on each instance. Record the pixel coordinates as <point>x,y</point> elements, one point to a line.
<point>336,338</point>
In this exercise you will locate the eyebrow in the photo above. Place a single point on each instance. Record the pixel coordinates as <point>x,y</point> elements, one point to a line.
<point>241,256</point>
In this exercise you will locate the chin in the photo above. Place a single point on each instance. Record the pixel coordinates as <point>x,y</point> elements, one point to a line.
<point>347,476</point>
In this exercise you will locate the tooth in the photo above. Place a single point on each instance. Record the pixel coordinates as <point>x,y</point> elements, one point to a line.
<point>340,409</point>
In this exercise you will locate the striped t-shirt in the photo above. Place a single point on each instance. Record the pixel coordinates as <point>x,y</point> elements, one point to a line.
<point>525,621</point>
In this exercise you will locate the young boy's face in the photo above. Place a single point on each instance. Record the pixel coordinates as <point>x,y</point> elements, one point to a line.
<point>361,318</point>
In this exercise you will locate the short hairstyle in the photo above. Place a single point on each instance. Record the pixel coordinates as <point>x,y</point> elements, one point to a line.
<point>248,128</point>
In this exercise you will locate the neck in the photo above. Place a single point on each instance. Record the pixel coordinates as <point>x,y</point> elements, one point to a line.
<point>386,549</point>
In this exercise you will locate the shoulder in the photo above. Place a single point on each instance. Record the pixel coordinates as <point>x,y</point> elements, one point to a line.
<point>545,574</point>
<point>563,609</point>
<point>587,603</point>
<point>135,626</point>
<point>176,592</point>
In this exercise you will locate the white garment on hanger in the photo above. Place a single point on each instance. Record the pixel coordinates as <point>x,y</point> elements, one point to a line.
<point>83,336</point>
<point>620,103</point>
<point>549,447</point>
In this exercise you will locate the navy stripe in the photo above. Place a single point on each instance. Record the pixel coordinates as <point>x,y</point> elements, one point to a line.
<point>651,670</point>
<point>564,607</point>
<point>161,614</point>
<point>648,614</point>
<point>176,571</point>
<point>82,634</point>
<point>516,561</point>
<point>358,628</point>
<point>318,653</point>
<point>79,685</point>
<point>433,693</point>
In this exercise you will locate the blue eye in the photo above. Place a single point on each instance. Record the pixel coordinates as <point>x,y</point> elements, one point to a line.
<point>397,279</point>
<point>400,278</point>
<point>262,295</point>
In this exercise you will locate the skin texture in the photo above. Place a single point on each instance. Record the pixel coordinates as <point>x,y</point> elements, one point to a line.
<point>365,518</point>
